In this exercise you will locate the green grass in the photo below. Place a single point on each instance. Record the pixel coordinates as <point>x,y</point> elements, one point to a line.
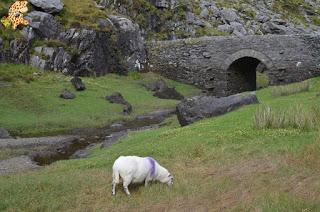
<point>221,163</point>
<point>32,106</point>
<point>262,80</point>
<point>296,116</point>
<point>290,89</point>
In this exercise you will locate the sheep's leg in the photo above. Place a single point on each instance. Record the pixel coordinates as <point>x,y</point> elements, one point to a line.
<point>126,183</point>
<point>114,185</point>
<point>147,180</point>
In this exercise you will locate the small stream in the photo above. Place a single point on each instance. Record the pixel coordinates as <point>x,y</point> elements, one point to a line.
<point>105,136</point>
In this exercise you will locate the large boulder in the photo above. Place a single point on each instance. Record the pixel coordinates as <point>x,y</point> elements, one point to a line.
<point>117,98</point>
<point>49,6</point>
<point>162,91</point>
<point>43,24</point>
<point>156,85</point>
<point>66,94</point>
<point>200,107</point>
<point>78,84</point>
<point>229,15</point>
<point>168,93</point>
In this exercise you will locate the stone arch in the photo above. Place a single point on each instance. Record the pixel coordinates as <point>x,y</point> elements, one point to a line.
<point>247,53</point>
<point>240,70</point>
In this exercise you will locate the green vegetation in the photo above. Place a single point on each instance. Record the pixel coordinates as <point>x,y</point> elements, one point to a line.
<point>218,163</point>
<point>262,80</point>
<point>292,10</point>
<point>82,12</point>
<point>32,106</point>
<point>296,116</point>
<point>294,88</point>
<point>316,20</point>
<point>15,73</point>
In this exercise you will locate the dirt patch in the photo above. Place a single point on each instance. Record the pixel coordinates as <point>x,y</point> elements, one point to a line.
<point>245,169</point>
<point>306,187</point>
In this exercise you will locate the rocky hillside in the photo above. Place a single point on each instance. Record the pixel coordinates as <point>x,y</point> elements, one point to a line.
<point>95,37</point>
<point>171,19</point>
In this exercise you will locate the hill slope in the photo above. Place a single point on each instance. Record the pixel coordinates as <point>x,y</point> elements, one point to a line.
<point>31,106</point>
<point>221,163</point>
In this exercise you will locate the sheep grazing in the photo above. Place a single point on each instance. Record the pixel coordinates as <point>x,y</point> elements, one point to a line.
<point>133,169</point>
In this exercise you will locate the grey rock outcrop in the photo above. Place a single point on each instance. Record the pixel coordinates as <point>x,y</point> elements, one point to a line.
<point>49,6</point>
<point>200,107</point>
<point>4,133</point>
<point>41,25</point>
<point>130,42</point>
<point>52,58</point>
<point>19,51</point>
<point>97,52</point>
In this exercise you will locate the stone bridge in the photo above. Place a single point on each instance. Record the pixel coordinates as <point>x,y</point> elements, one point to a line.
<point>228,65</point>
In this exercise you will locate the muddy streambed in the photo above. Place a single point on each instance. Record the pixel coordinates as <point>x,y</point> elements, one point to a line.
<point>46,150</point>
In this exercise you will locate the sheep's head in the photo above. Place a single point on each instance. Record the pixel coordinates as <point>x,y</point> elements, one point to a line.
<point>168,179</point>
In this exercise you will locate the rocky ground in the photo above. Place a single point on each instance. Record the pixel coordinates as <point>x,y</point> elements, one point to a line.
<point>113,42</point>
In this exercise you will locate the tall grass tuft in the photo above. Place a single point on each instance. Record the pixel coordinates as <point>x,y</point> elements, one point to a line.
<point>286,90</point>
<point>297,117</point>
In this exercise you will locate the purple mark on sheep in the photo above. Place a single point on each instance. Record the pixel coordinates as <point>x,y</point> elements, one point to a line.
<point>153,166</point>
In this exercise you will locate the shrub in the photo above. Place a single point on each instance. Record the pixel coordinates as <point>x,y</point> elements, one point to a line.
<point>297,117</point>
<point>294,88</point>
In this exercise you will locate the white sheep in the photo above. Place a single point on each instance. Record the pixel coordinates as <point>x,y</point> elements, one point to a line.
<point>133,169</point>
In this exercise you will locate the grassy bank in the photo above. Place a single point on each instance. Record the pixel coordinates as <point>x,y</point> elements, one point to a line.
<point>32,105</point>
<point>222,163</point>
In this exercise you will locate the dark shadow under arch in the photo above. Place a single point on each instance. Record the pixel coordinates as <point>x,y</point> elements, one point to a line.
<point>241,75</point>
<point>241,70</point>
